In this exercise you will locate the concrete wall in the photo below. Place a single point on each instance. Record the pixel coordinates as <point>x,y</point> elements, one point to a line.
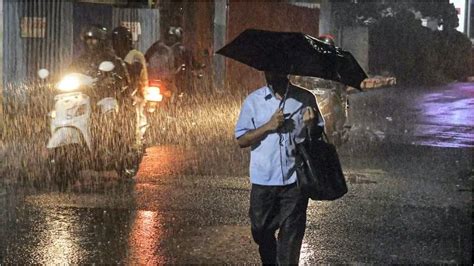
<point>199,40</point>
<point>220,33</point>
<point>326,18</point>
<point>356,41</point>
<point>276,16</point>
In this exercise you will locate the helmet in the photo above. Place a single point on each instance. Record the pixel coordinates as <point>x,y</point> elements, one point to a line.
<point>175,31</point>
<point>327,39</point>
<point>98,32</point>
<point>123,35</point>
<point>122,41</point>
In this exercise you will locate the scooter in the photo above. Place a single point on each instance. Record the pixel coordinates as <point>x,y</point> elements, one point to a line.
<point>85,132</point>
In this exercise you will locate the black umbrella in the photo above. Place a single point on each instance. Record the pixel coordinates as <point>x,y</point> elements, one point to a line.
<point>294,53</point>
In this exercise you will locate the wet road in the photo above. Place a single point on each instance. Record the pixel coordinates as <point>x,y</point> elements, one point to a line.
<point>418,213</point>
<point>406,203</point>
<point>442,116</point>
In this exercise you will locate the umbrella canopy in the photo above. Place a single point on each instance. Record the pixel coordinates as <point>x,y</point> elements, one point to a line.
<point>349,70</point>
<point>294,53</point>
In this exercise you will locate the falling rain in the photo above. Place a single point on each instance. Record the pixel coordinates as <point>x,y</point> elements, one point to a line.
<point>100,163</point>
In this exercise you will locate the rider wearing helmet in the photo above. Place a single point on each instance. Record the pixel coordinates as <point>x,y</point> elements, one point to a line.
<point>97,50</point>
<point>95,37</point>
<point>122,43</point>
<point>174,39</point>
<point>166,59</point>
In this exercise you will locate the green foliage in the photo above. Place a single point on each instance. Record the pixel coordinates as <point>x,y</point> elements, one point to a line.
<point>368,12</point>
<point>416,55</point>
<point>455,54</point>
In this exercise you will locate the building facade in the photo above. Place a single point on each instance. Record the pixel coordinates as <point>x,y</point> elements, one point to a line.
<point>46,34</point>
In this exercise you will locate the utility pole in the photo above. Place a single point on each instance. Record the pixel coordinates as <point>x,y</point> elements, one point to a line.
<point>325,17</point>
<point>1,57</point>
<point>468,24</point>
<point>220,36</point>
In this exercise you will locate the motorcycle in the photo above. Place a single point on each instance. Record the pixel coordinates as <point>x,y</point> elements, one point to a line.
<point>88,129</point>
<point>168,86</point>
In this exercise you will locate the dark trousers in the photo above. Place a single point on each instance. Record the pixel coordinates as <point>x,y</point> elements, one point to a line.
<point>273,208</point>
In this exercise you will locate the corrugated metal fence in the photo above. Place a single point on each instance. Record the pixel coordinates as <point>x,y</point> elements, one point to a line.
<point>149,20</point>
<point>26,51</point>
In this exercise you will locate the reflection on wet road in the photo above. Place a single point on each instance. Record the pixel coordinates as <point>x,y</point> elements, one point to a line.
<point>439,117</point>
<point>58,242</point>
<point>447,117</point>
<point>392,214</point>
<point>54,228</point>
<point>65,235</point>
<point>406,203</point>
<point>144,241</point>
<point>165,161</point>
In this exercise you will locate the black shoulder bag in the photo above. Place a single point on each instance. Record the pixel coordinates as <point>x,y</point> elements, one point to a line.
<point>319,170</point>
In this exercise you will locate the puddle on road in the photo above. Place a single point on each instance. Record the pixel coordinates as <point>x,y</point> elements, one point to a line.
<point>145,236</point>
<point>200,245</point>
<point>70,235</point>
<point>162,161</point>
<point>86,200</point>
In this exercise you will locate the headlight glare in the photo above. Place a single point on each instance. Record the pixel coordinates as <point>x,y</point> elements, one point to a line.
<point>152,94</point>
<point>69,83</point>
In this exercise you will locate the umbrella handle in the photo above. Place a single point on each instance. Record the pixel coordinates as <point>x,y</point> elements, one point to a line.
<point>283,101</point>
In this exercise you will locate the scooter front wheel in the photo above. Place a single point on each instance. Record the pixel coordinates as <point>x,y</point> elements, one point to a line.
<point>65,165</point>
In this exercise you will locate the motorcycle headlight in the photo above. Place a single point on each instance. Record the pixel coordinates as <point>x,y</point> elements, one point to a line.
<point>152,94</point>
<point>52,114</point>
<point>69,83</point>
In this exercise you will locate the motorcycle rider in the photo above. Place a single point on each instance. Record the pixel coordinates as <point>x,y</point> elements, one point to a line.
<point>97,50</point>
<point>166,59</point>
<point>181,56</point>
<point>115,84</point>
<point>122,42</point>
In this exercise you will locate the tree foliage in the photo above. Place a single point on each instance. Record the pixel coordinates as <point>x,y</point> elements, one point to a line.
<point>401,45</point>
<point>368,12</point>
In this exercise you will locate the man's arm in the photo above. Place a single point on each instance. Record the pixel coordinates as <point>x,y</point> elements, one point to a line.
<point>254,136</point>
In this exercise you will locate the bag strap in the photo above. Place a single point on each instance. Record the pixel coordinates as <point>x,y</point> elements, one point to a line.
<point>324,136</point>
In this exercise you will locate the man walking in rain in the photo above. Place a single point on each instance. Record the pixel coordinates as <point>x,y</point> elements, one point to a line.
<point>271,124</point>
